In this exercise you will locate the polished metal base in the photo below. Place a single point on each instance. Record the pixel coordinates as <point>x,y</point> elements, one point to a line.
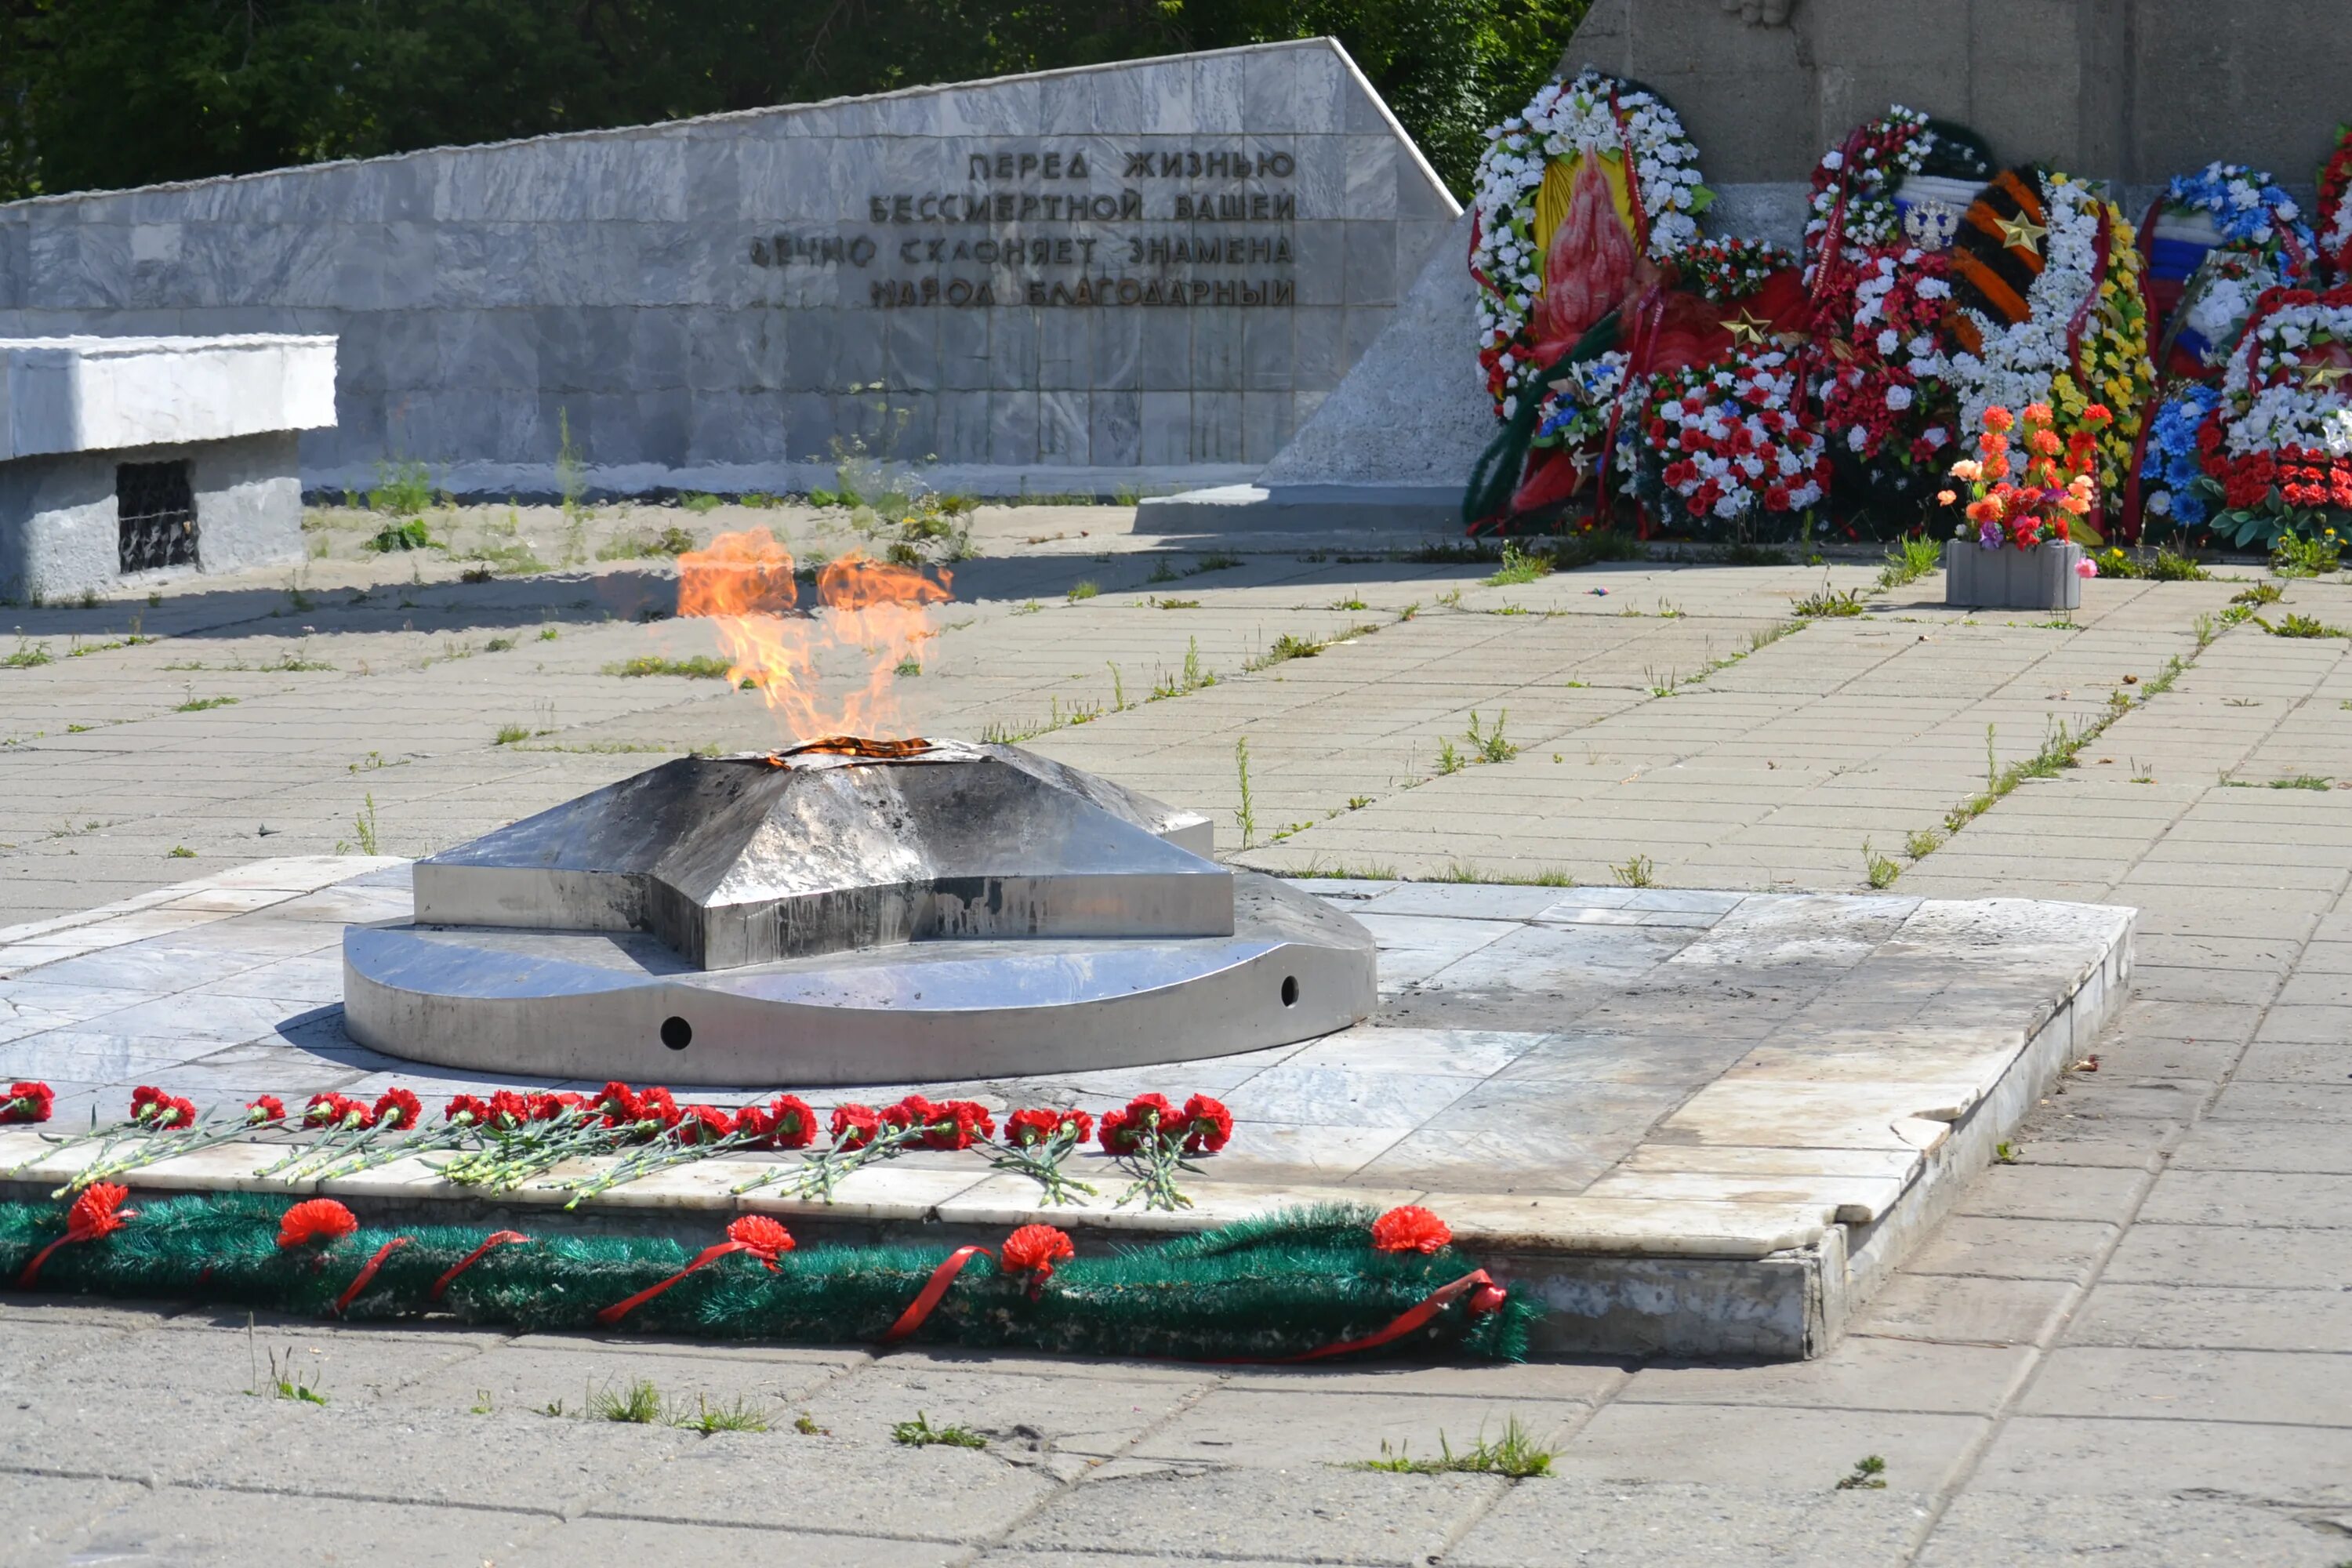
<point>597,1004</point>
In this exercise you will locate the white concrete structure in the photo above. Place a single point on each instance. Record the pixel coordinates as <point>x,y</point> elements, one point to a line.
<point>125,455</point>
<point>1141,275</point>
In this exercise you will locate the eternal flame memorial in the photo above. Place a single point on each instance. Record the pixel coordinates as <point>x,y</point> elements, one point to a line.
<point>1056,749</point>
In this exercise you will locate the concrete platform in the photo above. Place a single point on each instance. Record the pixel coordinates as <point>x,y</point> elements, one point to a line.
<point>1698,1123</point>
<point>1251,508</point>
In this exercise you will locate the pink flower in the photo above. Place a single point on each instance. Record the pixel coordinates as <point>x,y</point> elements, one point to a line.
<point>2086,567</point>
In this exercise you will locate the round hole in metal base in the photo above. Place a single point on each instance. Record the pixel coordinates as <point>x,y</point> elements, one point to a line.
<point>677,1033</point>
<point>1290,991</point>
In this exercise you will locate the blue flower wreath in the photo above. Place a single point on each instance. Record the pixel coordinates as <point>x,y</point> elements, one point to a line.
<point>2242,223</point>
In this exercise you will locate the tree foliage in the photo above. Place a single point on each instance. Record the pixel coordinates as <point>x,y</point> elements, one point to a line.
<point>104,94</point>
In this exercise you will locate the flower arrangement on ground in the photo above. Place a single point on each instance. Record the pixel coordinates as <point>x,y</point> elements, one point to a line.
<point>2275,446</point>
<point>2046,310</point>
<point>1728,443</point>
<point>1896,183</point>
<point>2025,495</point>
<point>2216,239</point>
<point>1593,173</point>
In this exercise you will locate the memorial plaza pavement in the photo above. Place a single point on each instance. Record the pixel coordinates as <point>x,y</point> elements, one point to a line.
<point>2132,1342</point>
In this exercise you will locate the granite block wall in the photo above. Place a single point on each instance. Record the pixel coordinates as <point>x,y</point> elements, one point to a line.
<point>2129,91</point>
<point>1139,275</point>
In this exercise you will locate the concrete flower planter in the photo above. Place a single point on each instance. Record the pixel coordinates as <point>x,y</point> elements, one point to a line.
<point>2042,578</point>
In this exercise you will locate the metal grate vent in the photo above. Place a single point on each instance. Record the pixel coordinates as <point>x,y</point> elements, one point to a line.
<point>155,512</point>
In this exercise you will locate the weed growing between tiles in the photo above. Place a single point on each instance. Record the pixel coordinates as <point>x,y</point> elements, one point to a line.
<point>1295,1286</point>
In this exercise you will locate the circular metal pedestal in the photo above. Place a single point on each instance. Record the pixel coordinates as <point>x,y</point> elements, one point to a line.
<point>597,1004</point>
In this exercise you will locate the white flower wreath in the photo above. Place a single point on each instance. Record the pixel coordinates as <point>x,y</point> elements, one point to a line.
<point>1566,120</point>
<point>2020,359</point>
<point>2273,401</point>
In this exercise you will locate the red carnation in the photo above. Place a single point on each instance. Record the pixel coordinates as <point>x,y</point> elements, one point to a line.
<point>908,1113</point>
<point>784,1122</point>
<point>1207,1125</point>
<point>28,1102</point>
<point>1411,1229</point>
<point>1028,1129</point>
<point>856,1126</point>
<point>545,1107</point>
<point>1124,1132</point>
<point>1033,1249</point>
<point>264,1109</point>
<point>315,1219</point>
<point>703,1124</point>
<point>177,1111</point>
<point>466,1110</point>
<point>146,1101</point>
<point>957,1125</point>
<point>332,1110</point>
<point>657,1105</point>
<point>398,1110</point>
<point>764,1236</point>
<point>98,1212</point>
<point>508,1109</point>
<point>617,1102</point>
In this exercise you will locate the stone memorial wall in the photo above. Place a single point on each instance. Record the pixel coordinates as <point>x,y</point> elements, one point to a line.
<point>1130,275</point>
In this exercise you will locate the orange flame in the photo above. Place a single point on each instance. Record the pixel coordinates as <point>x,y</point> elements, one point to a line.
<point>744,582</point>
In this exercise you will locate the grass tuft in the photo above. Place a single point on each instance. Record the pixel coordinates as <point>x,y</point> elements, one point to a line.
<point>921,1433</point>
<point>1514,1453</point>
<point>1868,1474</point>
<point>701,667</point>
<point>1518,567</point>
<point>2295,623</point>
<point>1830,602</point>
<point>1908,560</point>
<point>639,1404</point>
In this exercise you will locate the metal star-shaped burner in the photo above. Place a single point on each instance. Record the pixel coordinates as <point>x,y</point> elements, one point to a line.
<point>849,911</point>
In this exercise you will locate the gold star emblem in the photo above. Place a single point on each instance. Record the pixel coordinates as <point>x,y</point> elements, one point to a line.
<point>1747,328</point>
<point>2326,377</point>
<point>2021,233</point>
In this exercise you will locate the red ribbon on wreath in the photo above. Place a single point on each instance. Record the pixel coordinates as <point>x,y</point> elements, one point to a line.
<point>756,1234</point>
<point>1485,1296</point>
<point>496,1238</point>
<point>367,1272</point>
<point>933,1291</point>
<point>98,1211</point>
<point>1834,234</point>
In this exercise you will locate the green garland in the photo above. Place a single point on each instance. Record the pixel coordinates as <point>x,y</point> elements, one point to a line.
<point>1263,1290</point>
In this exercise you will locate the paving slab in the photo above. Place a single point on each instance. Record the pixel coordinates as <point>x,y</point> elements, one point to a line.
<point>2088,1528</point>
<point>1307,1512</point>
<point>873,1491</point>
<point>1634,1525</point>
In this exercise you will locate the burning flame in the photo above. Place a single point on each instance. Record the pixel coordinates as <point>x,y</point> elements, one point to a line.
<point>744,582</point>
